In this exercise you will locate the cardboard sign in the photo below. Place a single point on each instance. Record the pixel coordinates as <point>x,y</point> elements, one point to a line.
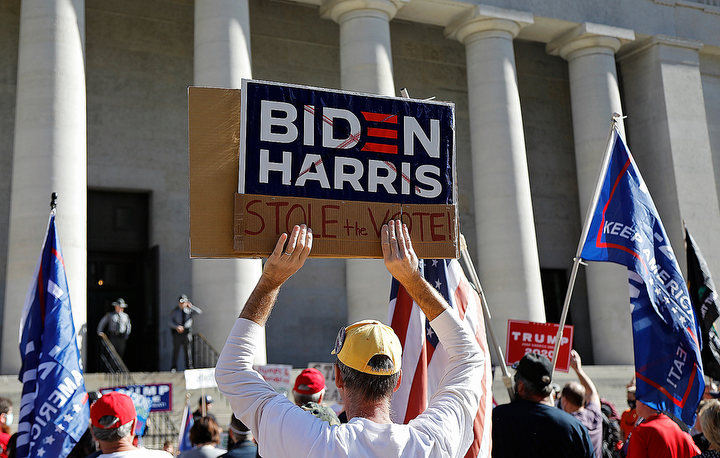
<point>366,158</point>
<point>331,392</point>
<point>196,379</point>
<point>160,394</point>
<point>529,337</point>
<point>277,376</point>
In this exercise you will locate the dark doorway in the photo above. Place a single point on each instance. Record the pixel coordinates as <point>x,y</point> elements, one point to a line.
<point>121,264</point>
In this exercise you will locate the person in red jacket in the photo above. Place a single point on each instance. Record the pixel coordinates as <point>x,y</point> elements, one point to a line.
<point>659,437</point>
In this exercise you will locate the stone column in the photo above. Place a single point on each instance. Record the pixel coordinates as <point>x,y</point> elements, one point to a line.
<point>590,52</point>
<point>222,58</point>
<point>507,256</point>
<point>49,155</point>
<point>365,66</point>
<point>664,97</point>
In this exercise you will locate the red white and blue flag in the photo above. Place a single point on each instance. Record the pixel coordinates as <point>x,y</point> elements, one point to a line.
<point>187,422</point>
<point>424,360</point>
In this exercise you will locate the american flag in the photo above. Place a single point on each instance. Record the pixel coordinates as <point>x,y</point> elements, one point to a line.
<point>424,359</point>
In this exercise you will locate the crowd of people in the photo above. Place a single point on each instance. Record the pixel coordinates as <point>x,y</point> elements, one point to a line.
<point>542,420</point>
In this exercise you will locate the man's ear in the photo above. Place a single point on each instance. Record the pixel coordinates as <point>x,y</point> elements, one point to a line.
<point>338,377</point>
<point>322,395</point>
<point>397,385</point>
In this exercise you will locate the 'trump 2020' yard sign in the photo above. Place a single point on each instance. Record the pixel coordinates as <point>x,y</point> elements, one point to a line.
<point>344,163</point>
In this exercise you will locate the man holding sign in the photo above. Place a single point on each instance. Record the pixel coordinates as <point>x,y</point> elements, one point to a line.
<point>367,371</point>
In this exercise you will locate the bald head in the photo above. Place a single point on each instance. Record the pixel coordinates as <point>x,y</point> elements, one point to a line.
<point>572,397</point>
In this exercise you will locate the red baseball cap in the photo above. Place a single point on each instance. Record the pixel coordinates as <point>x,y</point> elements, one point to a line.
<point>310,381</point>
<point>114,404</point>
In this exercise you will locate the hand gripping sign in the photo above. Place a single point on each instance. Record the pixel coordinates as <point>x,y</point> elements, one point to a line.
<point>343,163</point>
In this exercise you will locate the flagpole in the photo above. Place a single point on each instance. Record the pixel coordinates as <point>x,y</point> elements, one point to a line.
<point>577,260</point>
<point>507,380</point>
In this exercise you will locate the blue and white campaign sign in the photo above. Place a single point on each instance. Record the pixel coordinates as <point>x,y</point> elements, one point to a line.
<point>160,394</point>
<point>626,229</point>
<point>311,142</point>
<point>344,163</point>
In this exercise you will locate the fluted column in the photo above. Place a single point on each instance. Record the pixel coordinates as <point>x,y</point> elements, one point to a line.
<point>50,154</point>
<point>507,256</point>
<point>365,66</point>
<point>222,59</point>
<point>595,96</point>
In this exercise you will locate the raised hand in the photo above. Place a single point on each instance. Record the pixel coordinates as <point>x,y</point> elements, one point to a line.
<point>575,361</point>
<point>398,254</point>
<point>282,264</point>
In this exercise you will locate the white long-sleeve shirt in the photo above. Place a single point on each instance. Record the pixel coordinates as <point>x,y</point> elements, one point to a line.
<point>284,430</point>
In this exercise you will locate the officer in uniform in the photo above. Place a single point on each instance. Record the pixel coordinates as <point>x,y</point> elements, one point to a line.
<point>116,325</point>
<point>181,321</point>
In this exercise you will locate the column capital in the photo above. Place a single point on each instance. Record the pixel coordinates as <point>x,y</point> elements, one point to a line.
<point>661,40</point>
<point>487,21</point>
<point>589,38</point>
<point>336,9</point>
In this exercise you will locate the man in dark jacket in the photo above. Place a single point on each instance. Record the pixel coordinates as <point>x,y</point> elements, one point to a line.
<point>181,322</point>
<point>530,426</point>
<point>240,441</point>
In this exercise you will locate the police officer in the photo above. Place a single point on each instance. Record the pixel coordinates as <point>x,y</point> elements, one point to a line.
<point>116,325</point>
<point>181,321</point>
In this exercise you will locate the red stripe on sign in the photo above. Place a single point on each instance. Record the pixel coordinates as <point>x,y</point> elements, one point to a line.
<point>380,148</point>
<point>382,133</point>
<point>379,117</point>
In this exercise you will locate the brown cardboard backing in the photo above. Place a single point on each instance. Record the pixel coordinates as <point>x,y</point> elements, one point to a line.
<point>214,139</point>
<point>341,229</point>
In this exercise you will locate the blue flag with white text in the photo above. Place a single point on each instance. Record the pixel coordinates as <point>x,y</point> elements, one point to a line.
<point>626,229</point>
<point>54,411</point>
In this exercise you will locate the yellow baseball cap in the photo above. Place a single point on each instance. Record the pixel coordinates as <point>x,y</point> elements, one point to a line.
<point>358,343</point>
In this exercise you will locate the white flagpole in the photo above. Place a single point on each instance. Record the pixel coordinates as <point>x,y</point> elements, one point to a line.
<point>507,380</point>
<point>577,260</point>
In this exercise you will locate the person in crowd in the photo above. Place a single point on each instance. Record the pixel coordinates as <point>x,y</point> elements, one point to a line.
<point>113,420</point>
<point>116,325</point>
<point>240,441</point>
<point>198,413</point>
<point>169,447</point>
<point>657,436</point>
<point>6,419</point>
<point>12,446</point>
<point>710,425</point>
<point>612,442</point>
<point>367,370</point>
<point>629,418</point>
<point>308,393</point>
<point>204,436</point>
<point>181,323</point>
<point>581,400</point>
<point>696,431</point>
<point>528,426</point>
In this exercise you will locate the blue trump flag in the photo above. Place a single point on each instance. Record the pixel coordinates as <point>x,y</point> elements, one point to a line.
<point>54,411</point>
<point>626,229</point>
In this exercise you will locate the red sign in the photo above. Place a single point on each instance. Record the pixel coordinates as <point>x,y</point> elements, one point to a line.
<point>528,337</point>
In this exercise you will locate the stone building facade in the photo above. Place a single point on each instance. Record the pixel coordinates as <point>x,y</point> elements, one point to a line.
<point>93,105</point>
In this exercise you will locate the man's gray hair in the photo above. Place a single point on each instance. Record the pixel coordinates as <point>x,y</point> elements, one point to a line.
<point>370,387</point>
<point>302,399</point>
<point>114,434</point>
